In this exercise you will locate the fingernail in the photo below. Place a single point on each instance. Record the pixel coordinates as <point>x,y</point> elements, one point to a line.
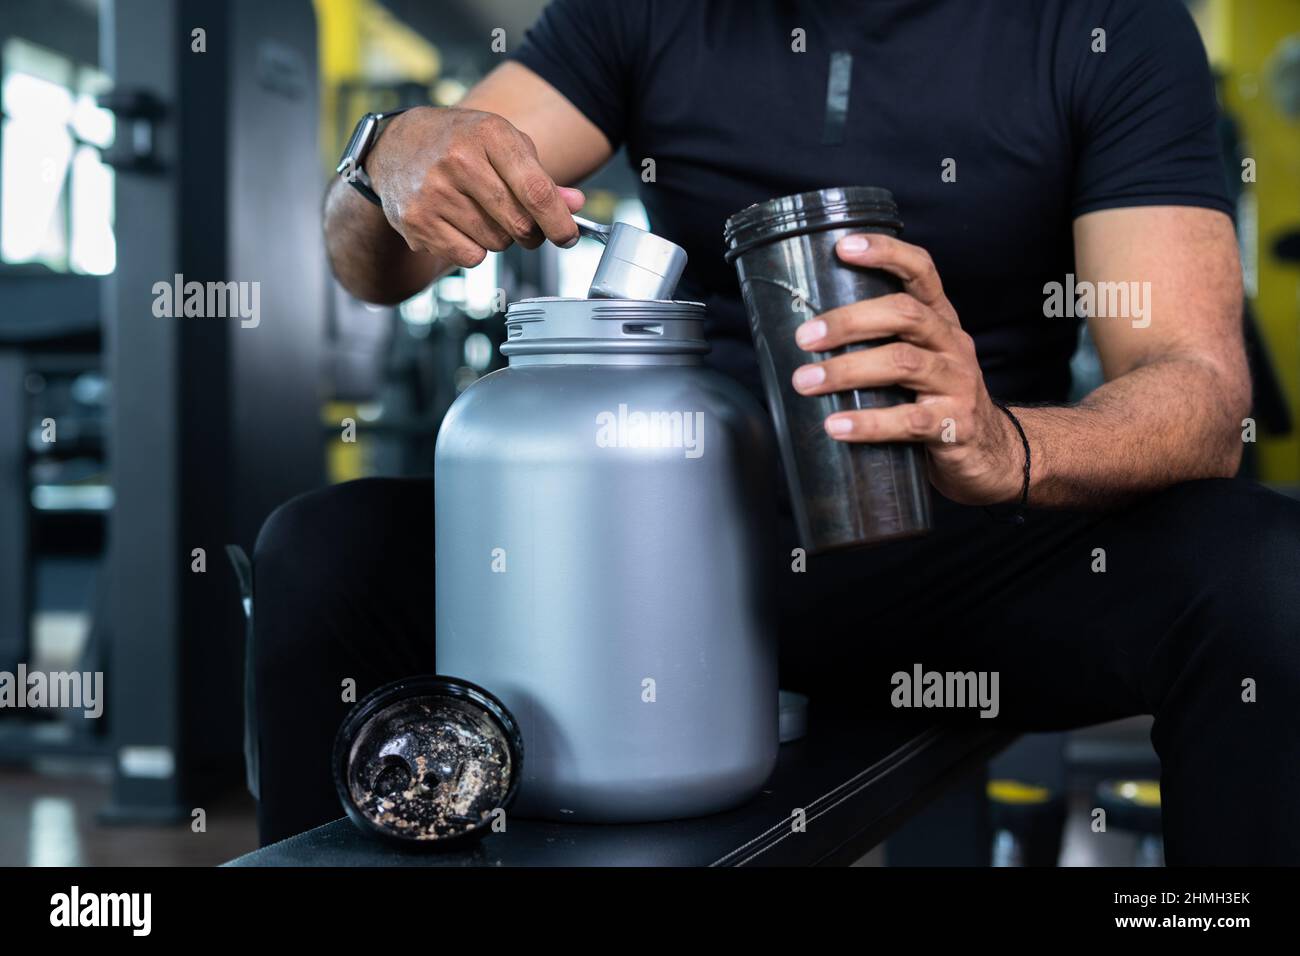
<point>808,376</point>
<point>854,244</point>
<point>810,332</point>
<point>839,426</point>
<point>572,242</point>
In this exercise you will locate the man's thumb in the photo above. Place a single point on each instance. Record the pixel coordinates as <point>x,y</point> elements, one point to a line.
<point>573,198</point>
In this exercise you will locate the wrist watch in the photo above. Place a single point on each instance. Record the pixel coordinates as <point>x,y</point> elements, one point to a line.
<point>359,145</point>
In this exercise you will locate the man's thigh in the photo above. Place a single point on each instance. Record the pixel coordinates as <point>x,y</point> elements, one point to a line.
<point>1084,617</point>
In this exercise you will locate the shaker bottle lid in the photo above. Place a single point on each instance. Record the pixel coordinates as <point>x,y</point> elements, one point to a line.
<point>427,761</point>
<point>830,208</point>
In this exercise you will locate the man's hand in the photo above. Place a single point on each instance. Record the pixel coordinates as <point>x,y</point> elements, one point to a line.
<point>975,455</point>
<point>458,182</point>
<point>1177,386</point>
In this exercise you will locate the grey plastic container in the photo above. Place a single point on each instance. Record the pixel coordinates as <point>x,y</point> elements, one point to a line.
<point>588,562</point>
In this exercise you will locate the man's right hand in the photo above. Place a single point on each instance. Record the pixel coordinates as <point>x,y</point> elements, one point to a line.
<point>458,182</point>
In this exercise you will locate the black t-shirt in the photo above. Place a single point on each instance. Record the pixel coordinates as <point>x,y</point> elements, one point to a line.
<point>1042,129</point>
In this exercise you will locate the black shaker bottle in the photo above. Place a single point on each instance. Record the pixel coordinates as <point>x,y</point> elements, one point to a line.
<point>843,493</point>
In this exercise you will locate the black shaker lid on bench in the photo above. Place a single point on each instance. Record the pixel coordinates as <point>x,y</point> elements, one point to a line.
<point>427,761</point>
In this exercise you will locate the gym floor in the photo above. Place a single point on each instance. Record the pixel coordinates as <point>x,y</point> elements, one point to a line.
<point>49,817</point>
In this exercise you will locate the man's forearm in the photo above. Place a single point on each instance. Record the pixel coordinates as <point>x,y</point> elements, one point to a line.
<point>1165,422</point>
<point>367,255</point>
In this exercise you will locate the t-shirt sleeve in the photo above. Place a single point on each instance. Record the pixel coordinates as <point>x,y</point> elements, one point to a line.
<point>589,51</point>
<point>1144,113</point>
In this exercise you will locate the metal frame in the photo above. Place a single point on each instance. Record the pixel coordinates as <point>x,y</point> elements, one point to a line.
<point>213,424</point>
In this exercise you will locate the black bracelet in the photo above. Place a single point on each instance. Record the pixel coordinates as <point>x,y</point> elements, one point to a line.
<point>1019,516</point>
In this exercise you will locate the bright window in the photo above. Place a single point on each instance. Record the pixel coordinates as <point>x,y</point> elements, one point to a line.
<point>56,196</point>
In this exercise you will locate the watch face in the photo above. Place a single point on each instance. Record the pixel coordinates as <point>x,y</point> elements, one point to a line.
<point>357,145</point>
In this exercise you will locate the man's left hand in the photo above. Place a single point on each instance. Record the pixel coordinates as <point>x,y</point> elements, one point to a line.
<point>975,454</point>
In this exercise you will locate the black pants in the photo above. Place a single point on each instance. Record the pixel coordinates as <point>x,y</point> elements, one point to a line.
<point>1199,597</point>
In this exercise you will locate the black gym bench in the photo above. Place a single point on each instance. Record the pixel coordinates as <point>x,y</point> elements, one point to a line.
<point>834,795</point>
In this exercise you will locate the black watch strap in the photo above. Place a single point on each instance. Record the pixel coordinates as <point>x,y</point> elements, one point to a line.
<point>361,183</point>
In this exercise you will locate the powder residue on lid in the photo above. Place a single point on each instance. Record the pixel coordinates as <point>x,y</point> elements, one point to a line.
<point>429,768</point>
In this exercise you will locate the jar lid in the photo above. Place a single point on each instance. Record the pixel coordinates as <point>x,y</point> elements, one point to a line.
<point>427,761</point>
<point>834,207</point>
<point>551,325</point>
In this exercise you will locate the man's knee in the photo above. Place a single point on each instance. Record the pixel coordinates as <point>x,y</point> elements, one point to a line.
<point>367,511</point>
<point>1214,524</point>
<point>323,545</point>
<point>1236,547</point>
<point>295,530</point>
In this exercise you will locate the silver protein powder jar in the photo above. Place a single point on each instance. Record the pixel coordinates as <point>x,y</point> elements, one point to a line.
<point>603,508</point>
